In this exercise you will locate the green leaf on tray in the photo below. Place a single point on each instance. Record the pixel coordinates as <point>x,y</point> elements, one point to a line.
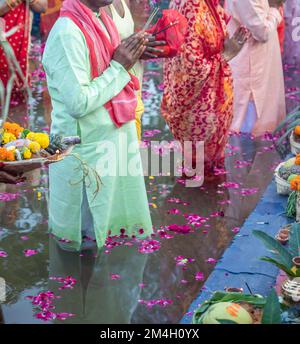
<point>271,313</point>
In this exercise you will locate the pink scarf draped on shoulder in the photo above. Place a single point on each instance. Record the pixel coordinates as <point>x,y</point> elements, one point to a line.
<point>101,49</point>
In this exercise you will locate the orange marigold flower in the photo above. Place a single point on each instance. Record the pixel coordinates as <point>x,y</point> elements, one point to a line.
<point>297,161</point>
<point>295,184</point>
<point>10,156</point>
<point>7,125</point>
<point>13,128</point>
<point>297,130</point>
<point>3,153</point>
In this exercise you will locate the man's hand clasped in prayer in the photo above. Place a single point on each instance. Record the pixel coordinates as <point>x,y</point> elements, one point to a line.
<point>131,49</point>
<point>138,46</point>
<point>234,45</point>
<point>151,50</point>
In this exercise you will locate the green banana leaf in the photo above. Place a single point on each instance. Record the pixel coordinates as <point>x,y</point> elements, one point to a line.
<point>226,322</point>
<point>220,296</point>
<point>281,253</point>
<point>289,130</point>
<point>289,118</point>
<point>279,265</point>
<point>272,311</point>
<point>294,240</point>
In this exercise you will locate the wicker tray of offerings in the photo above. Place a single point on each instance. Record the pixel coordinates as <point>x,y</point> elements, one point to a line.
<point>58,149</point>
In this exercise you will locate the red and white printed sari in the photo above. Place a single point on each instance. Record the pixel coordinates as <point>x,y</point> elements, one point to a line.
<point>198,94</point>
<point>17,17</point>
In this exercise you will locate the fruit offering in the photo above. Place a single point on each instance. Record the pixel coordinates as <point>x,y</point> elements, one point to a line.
<point>17,143</point>
<point>290,169</point>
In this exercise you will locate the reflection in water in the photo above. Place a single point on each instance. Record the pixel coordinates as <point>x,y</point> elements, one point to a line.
<point>107,289</point>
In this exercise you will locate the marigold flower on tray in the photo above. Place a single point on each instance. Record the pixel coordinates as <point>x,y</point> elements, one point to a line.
<point>8,137</point>
<point>26,153</point>
<point>34,147</point>
<point>13,128</point>
<point>41,138</point>
<point>297,161</point>
<point>10,155</point>
<point>3,153</point>
<point>295,184</point>
<point>297,130</point>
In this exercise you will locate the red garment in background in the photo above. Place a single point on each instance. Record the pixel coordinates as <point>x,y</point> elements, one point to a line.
<point>19,41</point>
<point>281,30</point>
<point>49,18</point>
<point>173,35</point>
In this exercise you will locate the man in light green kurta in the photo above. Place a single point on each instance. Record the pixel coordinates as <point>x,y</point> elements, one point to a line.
<point>78,109</point>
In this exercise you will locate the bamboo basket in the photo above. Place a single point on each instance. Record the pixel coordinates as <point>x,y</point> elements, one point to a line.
<point>291,290</point>
<point>282,186</point>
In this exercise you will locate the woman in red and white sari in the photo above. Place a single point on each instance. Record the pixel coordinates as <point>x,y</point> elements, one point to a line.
<point>198,95</point>
<point>16,14</point>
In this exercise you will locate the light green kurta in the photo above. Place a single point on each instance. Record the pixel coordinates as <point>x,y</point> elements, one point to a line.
<point>78,109</point>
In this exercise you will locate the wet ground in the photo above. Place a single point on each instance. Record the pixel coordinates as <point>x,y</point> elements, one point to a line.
<point>129,283</point>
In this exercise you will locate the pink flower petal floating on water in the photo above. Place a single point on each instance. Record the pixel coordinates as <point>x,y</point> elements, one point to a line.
<point>195,219</point>
<point>29,252</point>
<point>24,237</point>
<point>236,230</point>
<point>3,254</point>
<point>242,164</point>
<point>248,192</point>
<point>46,316</point>
<point>44,302</point>
<point>217,214</point>
<point>230,185</point>
<point>177,201</point>
<point>227,201</point>
<point>149,246</point>
<point>182,261</point>
<point>220,171</point>
<point>151,303</point>
<point>64,316</point>
<point>181,229</point>
<point>199,276</point>
<point>164,235</point>
<point>7,196</point>
<point>211,260</point>
<point>173,211</point>
<point>68,282</point>
<point>114,276</point>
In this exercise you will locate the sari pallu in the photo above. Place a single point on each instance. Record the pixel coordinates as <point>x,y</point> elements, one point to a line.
<point>17,17</point>
<point>198,96</point>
